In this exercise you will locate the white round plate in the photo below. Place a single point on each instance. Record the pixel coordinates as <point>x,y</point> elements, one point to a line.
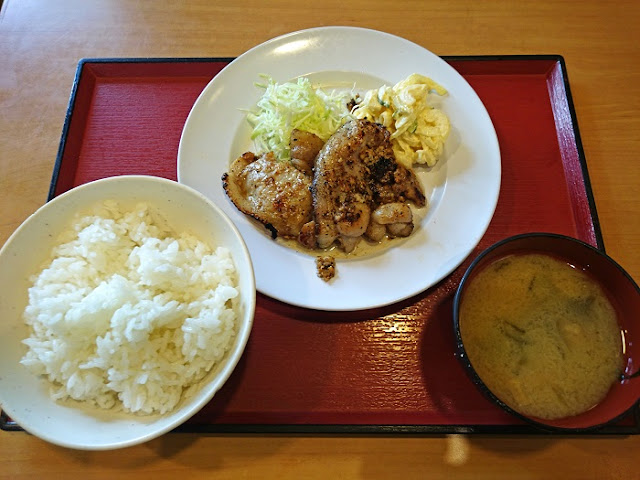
<point>462,189</point>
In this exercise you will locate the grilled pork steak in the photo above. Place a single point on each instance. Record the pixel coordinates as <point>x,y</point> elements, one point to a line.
<point>354,174</point>
<point>271,191</point>
<point>351,189</point>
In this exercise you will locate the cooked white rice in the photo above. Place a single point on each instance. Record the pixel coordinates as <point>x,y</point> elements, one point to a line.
<point>128,314</point>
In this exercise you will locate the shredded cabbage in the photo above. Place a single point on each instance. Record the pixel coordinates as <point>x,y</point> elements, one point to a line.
<point>290,105</point>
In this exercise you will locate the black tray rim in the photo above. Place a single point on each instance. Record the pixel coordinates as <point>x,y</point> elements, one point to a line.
<point>7,424</point>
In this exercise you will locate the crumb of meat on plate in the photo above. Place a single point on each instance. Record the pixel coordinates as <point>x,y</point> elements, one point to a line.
<point>326,267</point>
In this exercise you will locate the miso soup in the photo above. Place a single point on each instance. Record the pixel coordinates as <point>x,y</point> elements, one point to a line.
<point>542,335</point>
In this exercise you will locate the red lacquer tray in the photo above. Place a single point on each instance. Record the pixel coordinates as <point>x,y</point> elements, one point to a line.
<point>392,369</point>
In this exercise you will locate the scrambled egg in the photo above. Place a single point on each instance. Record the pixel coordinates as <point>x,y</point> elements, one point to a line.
<point>418,130</point>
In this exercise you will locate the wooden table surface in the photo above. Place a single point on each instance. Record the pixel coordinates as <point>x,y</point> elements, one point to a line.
<point>41,42</point>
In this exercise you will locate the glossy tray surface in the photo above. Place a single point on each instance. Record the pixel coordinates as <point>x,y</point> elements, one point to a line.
<point>391,369</point>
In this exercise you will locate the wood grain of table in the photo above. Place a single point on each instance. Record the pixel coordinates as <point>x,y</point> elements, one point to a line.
<point>40,44</point>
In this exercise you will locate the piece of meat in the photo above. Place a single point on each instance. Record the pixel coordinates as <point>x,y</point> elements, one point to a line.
<point>393,182</point>
<point>307,236</point>
<point>326,267</point>
<point>355,172</point>
<point>304,147</point>
<point>375,231</point>
<point>394,212</point>
<point>273,192</point>
<point>399,229</point>
<point>341,190</point>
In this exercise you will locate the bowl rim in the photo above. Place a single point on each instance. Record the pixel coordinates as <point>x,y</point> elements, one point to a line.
<point>461,352</point>
<point>212,385</point>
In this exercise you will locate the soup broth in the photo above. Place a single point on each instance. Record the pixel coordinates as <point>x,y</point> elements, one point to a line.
<point>542,335</point>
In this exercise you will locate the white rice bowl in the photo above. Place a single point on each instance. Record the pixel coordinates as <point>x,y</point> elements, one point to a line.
<point>138,321</point>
